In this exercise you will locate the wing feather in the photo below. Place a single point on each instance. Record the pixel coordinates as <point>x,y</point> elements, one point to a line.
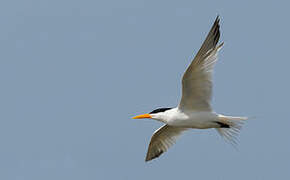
<point>162,139</point>
<point>197,79</point>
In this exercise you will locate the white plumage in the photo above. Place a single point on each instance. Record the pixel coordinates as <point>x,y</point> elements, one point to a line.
<point>194,109</point>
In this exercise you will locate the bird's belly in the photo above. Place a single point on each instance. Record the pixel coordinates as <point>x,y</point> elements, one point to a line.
<point>199,120</point>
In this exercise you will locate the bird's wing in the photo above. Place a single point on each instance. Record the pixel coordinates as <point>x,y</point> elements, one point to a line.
<point>162,139</point>
<point>197,80</point>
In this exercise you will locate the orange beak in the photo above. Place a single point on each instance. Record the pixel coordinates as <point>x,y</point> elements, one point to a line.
<point>142,116</point>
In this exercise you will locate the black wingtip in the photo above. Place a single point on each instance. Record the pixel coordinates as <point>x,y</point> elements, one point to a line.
<point>216,30</point>
<point>217,19</point>
<point>149,158</point>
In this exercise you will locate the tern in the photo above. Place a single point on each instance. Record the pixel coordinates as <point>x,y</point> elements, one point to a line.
<point>194,110</point>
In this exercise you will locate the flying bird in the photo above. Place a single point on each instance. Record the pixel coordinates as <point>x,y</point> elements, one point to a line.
<point>194,110</point>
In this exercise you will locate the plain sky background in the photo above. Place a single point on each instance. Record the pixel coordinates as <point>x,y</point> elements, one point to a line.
<point>73,73</point>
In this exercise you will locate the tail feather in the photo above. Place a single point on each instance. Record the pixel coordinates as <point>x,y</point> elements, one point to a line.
<point>235,124</point>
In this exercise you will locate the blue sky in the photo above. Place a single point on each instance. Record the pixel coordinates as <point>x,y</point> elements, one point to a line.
<point>73,73</point>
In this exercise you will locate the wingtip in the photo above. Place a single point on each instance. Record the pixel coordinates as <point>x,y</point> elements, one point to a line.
<point>147,159</point>
<point>217,18</point>
<point>150,156</point>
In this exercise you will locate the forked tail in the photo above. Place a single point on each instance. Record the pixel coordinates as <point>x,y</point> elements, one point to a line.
<point>235,124</point>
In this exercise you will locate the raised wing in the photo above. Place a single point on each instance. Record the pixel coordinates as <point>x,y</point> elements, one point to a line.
<point>197,80</point>
<point>162,139</point>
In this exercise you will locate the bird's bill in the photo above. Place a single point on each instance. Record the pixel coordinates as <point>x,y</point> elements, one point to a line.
<point>142,116</point>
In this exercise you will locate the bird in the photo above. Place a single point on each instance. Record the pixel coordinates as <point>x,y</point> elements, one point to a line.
<point>194,110</point>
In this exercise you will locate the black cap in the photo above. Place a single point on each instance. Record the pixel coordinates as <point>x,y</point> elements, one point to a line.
<point>159,110</point>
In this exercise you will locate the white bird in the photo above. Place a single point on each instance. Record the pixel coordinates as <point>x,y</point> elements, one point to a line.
<point>194,109</point>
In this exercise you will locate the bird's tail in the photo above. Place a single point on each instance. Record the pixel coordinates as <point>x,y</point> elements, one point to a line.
<point>234,125</point>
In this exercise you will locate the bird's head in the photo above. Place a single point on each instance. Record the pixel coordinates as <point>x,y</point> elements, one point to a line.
<point>159,114</point>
